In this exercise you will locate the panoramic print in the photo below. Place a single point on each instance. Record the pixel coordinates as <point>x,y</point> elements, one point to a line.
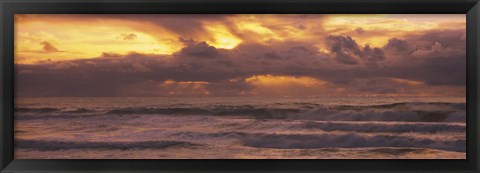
<point>245,86</point>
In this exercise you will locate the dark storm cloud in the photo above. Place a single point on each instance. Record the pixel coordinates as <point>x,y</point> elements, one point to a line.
<point>372,54</point>
<point>201,50</point>
<point>398,45</point>
<point>448,38</point>
<point>438,60</point>
<point>347,51</point>
<point>433,57</point>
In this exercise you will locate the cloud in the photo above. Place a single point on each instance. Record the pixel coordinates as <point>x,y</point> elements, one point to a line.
<point>25,72</point>
<point>435,48</point>
<point>346,50</point>
<point>372,54</point>
<point>359,30</point>
<point>201,49</point>
<point>404,66</point>
<point>398,45</point>
<point>271,81</point>
<point>187,88</point>
<point>285,85</point>
<point>64,65</point>
<point>140,67</point>
<point>398,87</point>
<point>130,36</point>
<point>110,55</point>
<point>167,88</point>
<point>48,47</point>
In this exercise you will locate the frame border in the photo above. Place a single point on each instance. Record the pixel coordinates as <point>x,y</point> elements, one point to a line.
<point>10,7</point>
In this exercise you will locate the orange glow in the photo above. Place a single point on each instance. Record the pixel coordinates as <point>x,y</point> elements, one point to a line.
<point>222,38</point>
<point>408,82</point>
<point>172,87</point>
<point>90,36</point>
<point>285,85</point>
<point>86,39</point>
<point>270,80</point>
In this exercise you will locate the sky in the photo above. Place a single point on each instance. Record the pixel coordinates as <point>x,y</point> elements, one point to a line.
<point>284,55</point>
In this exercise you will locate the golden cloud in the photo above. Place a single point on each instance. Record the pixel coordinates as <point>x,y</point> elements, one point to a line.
<point>285,85</point>
<point>185,88</point>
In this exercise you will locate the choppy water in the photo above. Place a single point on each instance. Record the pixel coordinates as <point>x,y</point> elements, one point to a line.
<point>170,128</point>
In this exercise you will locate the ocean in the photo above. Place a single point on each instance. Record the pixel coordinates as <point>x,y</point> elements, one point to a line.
<point>240,128</point>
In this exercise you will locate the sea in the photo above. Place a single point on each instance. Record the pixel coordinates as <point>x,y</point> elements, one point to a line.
<point>240,128</point>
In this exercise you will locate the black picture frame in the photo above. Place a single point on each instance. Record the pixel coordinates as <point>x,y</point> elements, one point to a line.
<point>10,7</point>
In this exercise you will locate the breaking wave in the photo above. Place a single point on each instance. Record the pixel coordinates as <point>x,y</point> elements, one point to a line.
<point>325,114</point>
<point>410,106</point>
<point>66,145</point>
<point>381,127</point>
<point>328,140</point>
<point>351,140</point>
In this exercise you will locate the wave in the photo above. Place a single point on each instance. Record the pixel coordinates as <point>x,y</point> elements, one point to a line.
<point>351,140</point>
<point>36,110</point>
<point>409,112</point>
<point>397,151</point>
<point>52,116</point>
<point>381,127</point>
<point>257,112</point>
<point>44,145</point>
<point>328,140</point>
<point>325,114</point>
<point>81,110</point>
<point>427,106</point>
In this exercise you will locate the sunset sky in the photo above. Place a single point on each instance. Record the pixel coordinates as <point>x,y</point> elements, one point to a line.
<point>240,55</point>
